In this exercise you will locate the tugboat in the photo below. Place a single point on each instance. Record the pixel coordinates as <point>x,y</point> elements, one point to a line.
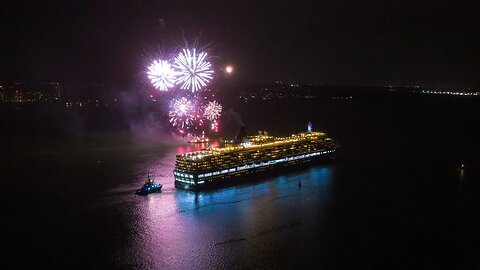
<point>149,187</point>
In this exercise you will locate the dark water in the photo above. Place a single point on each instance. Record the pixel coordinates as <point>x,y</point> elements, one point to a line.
<point>395,198</point>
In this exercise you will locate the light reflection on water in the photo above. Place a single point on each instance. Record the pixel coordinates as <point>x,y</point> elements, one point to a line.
<point>220,228</point>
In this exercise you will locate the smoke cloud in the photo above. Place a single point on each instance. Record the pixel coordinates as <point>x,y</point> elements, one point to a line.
<point>235,116</point>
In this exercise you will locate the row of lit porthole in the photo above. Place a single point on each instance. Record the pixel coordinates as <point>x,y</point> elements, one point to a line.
<point>263,164</point>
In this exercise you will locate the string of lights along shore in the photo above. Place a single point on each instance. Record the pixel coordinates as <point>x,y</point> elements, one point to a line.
<point>193,111</point>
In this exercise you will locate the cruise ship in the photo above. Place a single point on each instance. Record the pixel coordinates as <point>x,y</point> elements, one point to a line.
<point>233,161</point>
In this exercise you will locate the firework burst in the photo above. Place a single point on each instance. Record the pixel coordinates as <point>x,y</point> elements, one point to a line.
<point>193,71</point>
<point>212,110</point>
<point>182,113</point>
<point>161,75</point>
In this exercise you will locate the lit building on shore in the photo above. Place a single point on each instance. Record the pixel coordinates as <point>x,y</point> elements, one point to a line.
<point>20,92</point>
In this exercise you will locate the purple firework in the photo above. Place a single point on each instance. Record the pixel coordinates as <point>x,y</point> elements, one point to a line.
<point>212,110</point>
<point>182,113</point>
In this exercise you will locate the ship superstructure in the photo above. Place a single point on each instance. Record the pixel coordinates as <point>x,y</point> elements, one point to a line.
<point>248,155</point>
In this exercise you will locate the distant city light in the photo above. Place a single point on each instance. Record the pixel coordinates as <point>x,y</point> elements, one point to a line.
<point>161,75</point>
<point>193,71</point>
<point>454,93</point>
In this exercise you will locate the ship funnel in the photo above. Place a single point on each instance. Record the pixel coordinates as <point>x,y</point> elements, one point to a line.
<point>241,135</point>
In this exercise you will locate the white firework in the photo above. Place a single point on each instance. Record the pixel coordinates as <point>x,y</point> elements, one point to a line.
<point>161,75</point>
<point>193,71</point>
<point>212,110</point>
<point>182,113</point>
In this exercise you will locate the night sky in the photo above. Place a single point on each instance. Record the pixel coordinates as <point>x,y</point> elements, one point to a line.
<point>343,42</point>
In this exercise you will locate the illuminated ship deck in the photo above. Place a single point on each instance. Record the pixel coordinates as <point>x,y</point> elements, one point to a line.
<point>259,153</point>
